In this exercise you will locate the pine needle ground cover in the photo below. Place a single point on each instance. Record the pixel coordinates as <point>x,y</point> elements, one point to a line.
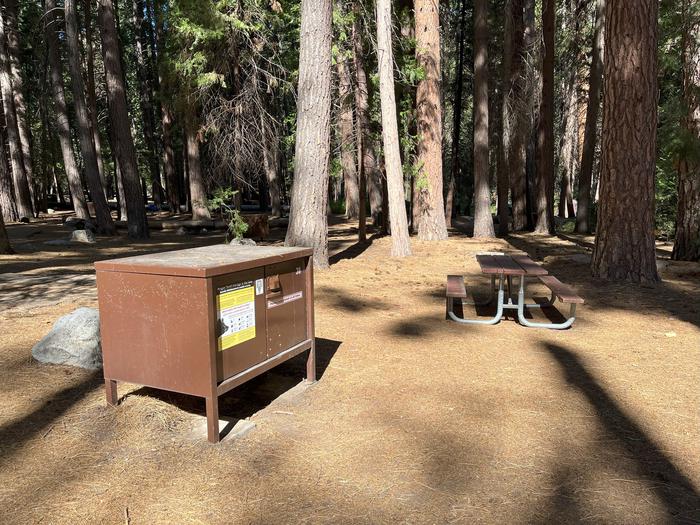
<point>414,419</point>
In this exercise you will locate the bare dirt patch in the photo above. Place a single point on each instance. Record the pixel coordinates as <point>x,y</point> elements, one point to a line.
<point>414,419</point>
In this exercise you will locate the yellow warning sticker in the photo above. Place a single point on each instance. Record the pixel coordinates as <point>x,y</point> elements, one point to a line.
<point>235,307</point>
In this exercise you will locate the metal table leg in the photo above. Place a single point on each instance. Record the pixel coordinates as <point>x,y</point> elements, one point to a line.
<point>525,322</point>
<point>494,320</point>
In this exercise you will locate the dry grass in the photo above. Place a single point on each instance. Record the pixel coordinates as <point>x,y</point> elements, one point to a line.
<point>414,419</point>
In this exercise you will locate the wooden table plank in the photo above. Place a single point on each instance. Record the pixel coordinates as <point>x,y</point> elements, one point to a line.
<point>530,266</point>
<point>488,264</point>
<point>499,264</point>
<point>509,266</point>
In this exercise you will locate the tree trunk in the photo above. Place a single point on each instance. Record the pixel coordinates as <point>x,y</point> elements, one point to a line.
<point>14,50</point>
<point>119,120</point>
<point>8,208</point>
<point>519,99</point>
<point>364,140</point>
<point>567,159</point>
<point>194,167</point>
<point>23,198</point>
<point>307,214</point>
<point>61,113</point>
<point>456,168</point>
<point>5,247</point>
<point>346,134</point>
<point>483,222</point>
<point>624,247</point>
<point>146,103</point>
<point>687,243</point>
<point>583,211</point>
<point>92,94</point>
<point>171,178</point>
<point>511,73</point>
<point>544,196</point>
<point>87,145</point>
<point>370,171</point>
<point>400,241</point>
<point>430,204</point>
<point>270,164</point>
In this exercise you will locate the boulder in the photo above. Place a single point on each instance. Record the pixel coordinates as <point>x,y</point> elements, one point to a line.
<point>242,242</point>
<point>74,340</point>
<point>181,231</point>
<point>80,224</point>
<point>84,236</point>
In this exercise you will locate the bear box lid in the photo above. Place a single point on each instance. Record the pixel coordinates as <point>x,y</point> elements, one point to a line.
<point>204,261</point>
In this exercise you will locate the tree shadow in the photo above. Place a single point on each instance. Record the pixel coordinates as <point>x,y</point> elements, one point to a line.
<point>14,434</point>
<point>256,394</point>
<point>674,489</point>
<point>353,250</point>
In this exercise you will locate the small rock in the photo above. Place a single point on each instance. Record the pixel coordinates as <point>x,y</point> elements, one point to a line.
<point>670,334</point>
<point>50,211</point>
<point>74,340</point>
<point>181,231</point>
<point>25,220</point>
<point>242,242</point>
<point>84,236</point>
<point>204,230</point>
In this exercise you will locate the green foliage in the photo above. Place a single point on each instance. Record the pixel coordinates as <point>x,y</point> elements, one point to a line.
<point>222,202</point>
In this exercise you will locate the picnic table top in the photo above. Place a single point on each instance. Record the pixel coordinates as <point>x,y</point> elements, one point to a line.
<point>519,264</point>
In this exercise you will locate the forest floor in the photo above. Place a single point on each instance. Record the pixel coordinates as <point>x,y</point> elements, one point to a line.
<point>414,419</point>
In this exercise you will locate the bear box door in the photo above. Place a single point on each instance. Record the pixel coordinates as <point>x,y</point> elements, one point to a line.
<point>285,304</point>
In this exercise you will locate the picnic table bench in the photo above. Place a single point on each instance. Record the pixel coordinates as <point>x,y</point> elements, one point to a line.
<point>504,268</point>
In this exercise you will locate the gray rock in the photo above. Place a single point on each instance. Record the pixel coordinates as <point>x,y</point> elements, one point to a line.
<point>242,242</point>
<point>181,231</point>
<point>80,224</point>
<point>84,236</point>
<point>50,211</point>
<point>74,340</point>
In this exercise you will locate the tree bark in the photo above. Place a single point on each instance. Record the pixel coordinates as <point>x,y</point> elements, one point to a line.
<point>430,204</point>
<point>346,134</point>
<point>624,247</point>
<point>456,168</point>
<point>365,159</point>
<point>567,160</point>
<point>5,247</point>
<point>307,214</point>
<point>510,83</point>
<point>583,211</point>
<point>370,171</point>
<point>23,198</point>
<point>61,113</point>
<point>271,164</point>
<point>544,196</point>
<point>119,120</point>
<point>194,165</point>
<point>14,50</point>
<point>8,208</point>
<point>103,215</point>
<point>687,242</point>
<point>400,241</point>
<point>483,222</point>
<point>519,119</point>
<point>92,94</point>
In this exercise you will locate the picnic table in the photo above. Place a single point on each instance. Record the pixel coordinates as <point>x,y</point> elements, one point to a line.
<point>504,268</point>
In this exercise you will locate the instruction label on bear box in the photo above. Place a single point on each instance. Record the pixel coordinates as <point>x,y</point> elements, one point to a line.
<point>235,310</point>
<point>272,303</point>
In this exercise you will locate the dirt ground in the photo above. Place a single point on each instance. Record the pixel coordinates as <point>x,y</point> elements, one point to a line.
<point>414,419</point>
